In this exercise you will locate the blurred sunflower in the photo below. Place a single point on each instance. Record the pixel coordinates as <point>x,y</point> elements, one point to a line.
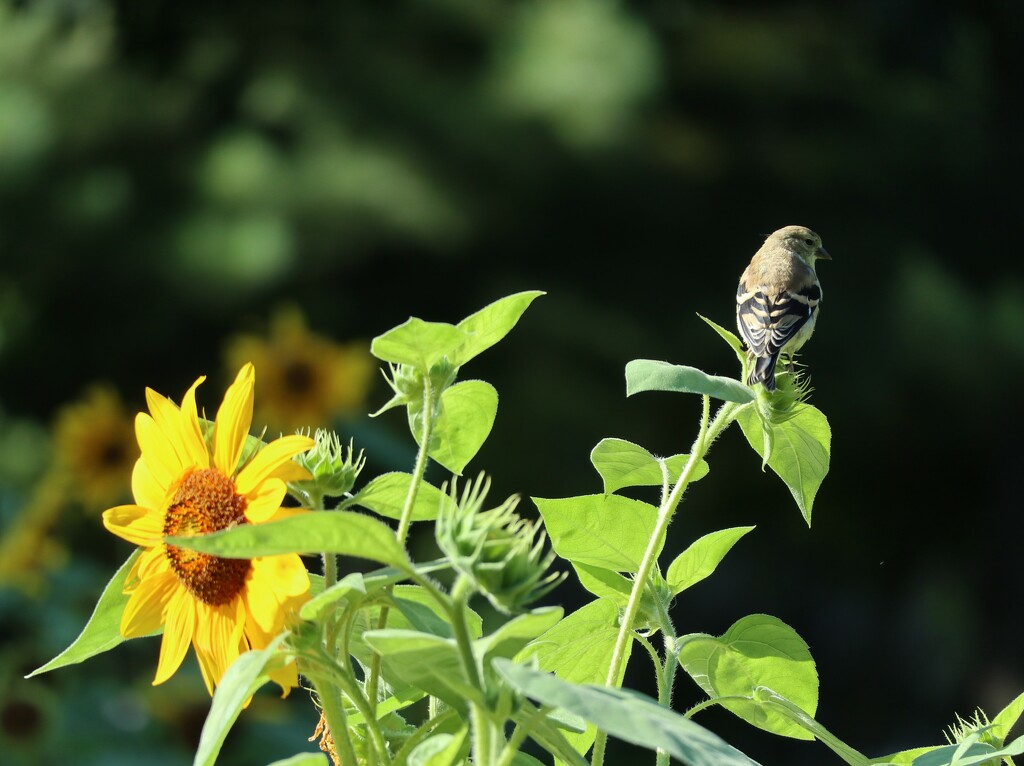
<point>305,378</point>
<point>94,447</point>
<point>188,484</point>
<point>28,548</point>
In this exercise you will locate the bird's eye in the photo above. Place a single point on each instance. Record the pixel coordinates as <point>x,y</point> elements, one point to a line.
<point>809,242</point>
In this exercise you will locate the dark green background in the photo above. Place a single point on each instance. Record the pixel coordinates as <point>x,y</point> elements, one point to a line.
<point>171,172</point>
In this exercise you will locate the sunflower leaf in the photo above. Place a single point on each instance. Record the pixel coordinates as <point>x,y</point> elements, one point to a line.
<point>385,495</point>
<point>341,532</point>
<point>653,375</point>
<point>490,324</point>
<point>467,415</point>
<point>103,630</point>
<point>303,759</point>
<point>239,683</point>
<point>418,344</point>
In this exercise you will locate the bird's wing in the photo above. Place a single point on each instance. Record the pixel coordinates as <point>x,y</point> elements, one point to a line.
<point>769,321</point>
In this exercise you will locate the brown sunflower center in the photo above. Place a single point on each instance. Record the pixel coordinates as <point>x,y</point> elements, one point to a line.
<point>298,378</point>
<point>206,501</point>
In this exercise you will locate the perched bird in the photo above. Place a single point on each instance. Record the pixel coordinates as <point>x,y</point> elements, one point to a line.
<point>777,299</point>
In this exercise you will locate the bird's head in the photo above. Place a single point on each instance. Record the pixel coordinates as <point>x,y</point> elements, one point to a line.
<point>801,241</point>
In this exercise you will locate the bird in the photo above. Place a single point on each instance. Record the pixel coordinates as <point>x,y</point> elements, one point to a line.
<point>777,299</point>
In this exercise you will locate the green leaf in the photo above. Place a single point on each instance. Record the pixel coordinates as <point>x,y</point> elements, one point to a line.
<point>734,342</point>
<point>466,417</point>
<point>303,759</point>
<point>624,464</point>
<point>702,558</point>
<point>418,344</point>
<point>514,635</point>
<point>246,674</point>
<point>800,454</point>
<point>652,375</point>
<point>103,630</point>
<point>766,696</point>
<point>360,585</point>
<point>440,749</point>
<point>342,532</point>
<point>1007,718</point>
<point>970,752</point>
<point>627,715</point>
<point>607,531</point>
<point>604,583</point>
<point>579,650</point>
<point>490,324</point>
<point>425,661</point>
<point>758,650</point>
<point>385,495</point>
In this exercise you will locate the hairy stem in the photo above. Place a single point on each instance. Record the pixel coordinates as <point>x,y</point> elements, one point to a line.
<point>705,437</point>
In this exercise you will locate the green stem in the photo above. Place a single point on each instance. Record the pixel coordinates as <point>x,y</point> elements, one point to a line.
<point>421,734</point>
<point>705,437</point>
<point>334,714</point>
<point>339,679</point>
<point>519,735</point>
<point>419,470</point>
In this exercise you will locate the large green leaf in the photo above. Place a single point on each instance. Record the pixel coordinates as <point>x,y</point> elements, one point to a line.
<point>607,531</point>
<point>466,417</point>
<point>424,661</point>
<point>440,749</point>
<point>702,558</point>
<point>514,635</point>
<point>652,375</point>
<point>800,453</point>
<point>604,583</point>
<point>758,650</point>
<point>103,630</point>
<point>385,495</point>
<point>627,715</point>
<point>357,585</point>
<point>1007,718</point>
<point>624,464</point>
<point>579,650</point>
<point>969,752</point>
<point>490,324</point>
<point>341,532</point>
<point>795,714</point>
<point>246,674</point>
<point>303,759</point>
<point>418,344</point>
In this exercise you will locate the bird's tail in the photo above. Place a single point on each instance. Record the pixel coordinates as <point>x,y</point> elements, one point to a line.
<point>764,371</point>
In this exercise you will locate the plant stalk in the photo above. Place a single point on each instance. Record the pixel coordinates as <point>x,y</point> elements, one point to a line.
<point>705,437</point>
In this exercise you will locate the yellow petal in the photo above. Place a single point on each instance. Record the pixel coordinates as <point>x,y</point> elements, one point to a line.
<point>178,632</point>
<point>233,421</point>
<point>269,459</point>
<point>291,471</point>
<point>265,501</point>
<point>144,612</point>
<point>206,667</point>
<point>161,458</point>
<point>285,574</point>
<point>218,638</point>
<point>192,434</point>
<point>167,417</point>
<point>287,678</point>
<point>151,563</point>
<point>146,489</point>
<point>142,526</point>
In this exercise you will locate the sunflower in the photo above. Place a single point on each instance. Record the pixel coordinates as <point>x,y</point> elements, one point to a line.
<point>94,447</point>
<point>305,378</point>
<point>185,484</point>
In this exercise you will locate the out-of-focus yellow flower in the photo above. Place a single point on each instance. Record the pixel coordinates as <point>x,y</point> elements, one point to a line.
<point>94,446</point>
<point>28,550</point>
<point>186,485</point>
<point>305,378</point>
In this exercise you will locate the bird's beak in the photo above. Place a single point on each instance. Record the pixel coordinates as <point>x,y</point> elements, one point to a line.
<point>823,254</point>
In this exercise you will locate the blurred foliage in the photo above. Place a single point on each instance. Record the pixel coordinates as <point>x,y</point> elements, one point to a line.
<point>173,177</point>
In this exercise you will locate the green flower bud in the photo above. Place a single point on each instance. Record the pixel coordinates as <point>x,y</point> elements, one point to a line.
<point>334,468</point>
<point>501,553</point>
<point>407,383</point>
<point>978,729</point>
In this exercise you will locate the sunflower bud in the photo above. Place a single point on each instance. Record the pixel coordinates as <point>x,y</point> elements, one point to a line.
<point>501,553</point>
<point>334,469</point>
<point>407,383</point>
